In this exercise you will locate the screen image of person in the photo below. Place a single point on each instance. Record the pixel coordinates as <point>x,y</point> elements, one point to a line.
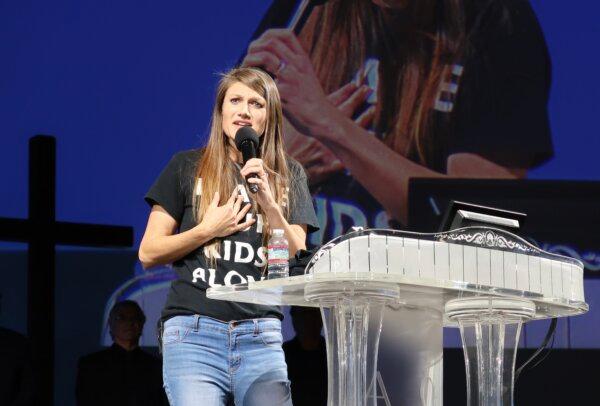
<point>376,92</point>
<point>206,222</point>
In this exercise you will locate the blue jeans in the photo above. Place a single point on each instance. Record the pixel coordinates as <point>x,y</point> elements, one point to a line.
<point>207,362</point>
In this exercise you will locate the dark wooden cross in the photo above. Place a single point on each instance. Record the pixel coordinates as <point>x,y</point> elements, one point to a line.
<point>42,232</point>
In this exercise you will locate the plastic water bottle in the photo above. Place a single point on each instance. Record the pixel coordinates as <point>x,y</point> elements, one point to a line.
<point>278,255</point>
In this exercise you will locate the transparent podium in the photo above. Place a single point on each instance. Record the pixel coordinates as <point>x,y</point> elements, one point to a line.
<point>485,281</point>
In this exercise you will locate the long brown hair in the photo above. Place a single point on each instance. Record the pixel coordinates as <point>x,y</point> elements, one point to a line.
<point>415,59</point>
<point>217,172</point>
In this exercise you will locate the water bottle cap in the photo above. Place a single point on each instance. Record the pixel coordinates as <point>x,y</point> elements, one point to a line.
<point>278,232</point>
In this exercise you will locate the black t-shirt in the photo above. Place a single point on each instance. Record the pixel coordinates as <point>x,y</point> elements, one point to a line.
<point>499,108</point>
<point>242,256</point>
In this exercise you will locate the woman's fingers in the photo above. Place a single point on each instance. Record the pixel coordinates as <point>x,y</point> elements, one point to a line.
<point>264,195</point>
<point>319,173</point>
<point>231,199</point>
<point>238,203</point>
<point>287,37</point>
<point>349,97</point>
<point>290,77</point>
<point>366,118</point>
<point>309,147</point>
<point>244,225</point>
<point>358,97</point>
<point>258,181</point>
<point>316,158</point>
<point>276,51</point>
<point>322,170</point>
<point>279,52</point>
<point>215,200</point>
<point>336,98</point>
<point>242,213</point>
<point>320,164</point>
<point>336,166</point>
<point>275,47</point>
<point>263,59</point>
<point>254,165</point>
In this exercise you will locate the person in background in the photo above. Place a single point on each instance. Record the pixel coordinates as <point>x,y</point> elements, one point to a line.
<point>123,374</point>
<point>16,369</point>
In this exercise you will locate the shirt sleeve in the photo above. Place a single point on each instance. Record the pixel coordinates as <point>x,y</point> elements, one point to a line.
<point>502,110</point>
<point>302,210</point>
<point>168,190</point>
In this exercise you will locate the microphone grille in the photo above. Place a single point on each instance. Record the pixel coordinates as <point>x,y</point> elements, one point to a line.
<point>246,134</point>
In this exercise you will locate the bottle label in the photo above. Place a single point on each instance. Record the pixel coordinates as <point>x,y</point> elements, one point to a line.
<point>278,254</point>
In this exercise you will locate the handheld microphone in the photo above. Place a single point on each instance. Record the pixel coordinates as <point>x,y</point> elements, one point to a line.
<point>246,141</point>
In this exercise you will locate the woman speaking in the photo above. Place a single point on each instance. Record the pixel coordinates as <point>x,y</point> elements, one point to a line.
<point>206,222</point>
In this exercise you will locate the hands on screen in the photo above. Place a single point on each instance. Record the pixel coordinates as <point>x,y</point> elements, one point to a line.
<point>306,107</point>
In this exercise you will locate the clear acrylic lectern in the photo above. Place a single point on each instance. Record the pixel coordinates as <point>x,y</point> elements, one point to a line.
<point>485,281</point>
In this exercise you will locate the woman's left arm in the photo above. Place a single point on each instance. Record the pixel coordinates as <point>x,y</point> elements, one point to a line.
<point>295,233</point>
<point>385,173</point>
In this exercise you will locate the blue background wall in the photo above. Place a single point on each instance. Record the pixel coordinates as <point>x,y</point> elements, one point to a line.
<point>125,84</point>
<point>122,85</point>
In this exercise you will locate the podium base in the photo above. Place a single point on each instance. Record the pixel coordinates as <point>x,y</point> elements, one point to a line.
<point>352,313</point>
<point>352,317</point>
<point>490,329</point>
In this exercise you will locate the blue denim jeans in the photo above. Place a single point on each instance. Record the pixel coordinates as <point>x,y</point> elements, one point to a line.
<point>207,362</point>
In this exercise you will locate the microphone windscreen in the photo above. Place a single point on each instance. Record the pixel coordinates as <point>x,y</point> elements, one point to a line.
<point>246,134</point>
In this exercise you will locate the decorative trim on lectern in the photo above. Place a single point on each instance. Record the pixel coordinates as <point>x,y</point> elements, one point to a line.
<point>487,238</point>
<point>322,251</point>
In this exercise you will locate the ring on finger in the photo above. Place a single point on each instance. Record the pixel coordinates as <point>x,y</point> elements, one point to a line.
<point>281,67</point>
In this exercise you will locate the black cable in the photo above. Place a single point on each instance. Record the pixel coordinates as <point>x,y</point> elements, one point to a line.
<point>549,336</point>
<point>546,354</point>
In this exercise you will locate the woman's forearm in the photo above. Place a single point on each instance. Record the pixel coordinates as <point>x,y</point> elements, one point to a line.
<point>277,220</point>
<point>165,249</point>
<point>382,171</point>
<point>386,174</point>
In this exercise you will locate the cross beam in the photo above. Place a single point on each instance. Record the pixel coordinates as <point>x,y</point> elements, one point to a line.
<point>88,235</point>
<point>42,233</point>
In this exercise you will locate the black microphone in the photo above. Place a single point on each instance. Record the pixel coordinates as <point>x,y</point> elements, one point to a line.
<point>246,141</point>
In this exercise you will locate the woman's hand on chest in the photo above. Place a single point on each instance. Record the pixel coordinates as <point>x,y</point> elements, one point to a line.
<point>221,221</point>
